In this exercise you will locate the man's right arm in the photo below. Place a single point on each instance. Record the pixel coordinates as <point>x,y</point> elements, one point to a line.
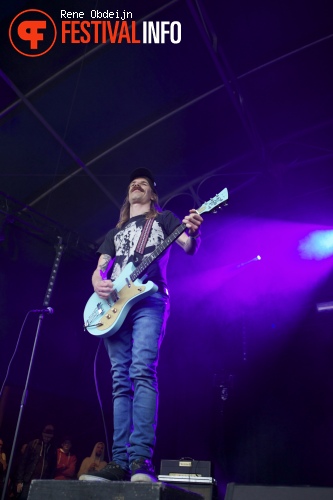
<point>102,286</point>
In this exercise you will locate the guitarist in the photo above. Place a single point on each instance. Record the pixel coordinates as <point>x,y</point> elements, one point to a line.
<point>133,349</point>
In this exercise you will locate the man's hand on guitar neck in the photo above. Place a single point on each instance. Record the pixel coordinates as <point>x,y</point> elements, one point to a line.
<point>190,242</point>
<point>193,223</point>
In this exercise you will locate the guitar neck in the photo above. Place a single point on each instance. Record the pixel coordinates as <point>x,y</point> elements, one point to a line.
<point>206,207</point>
<point>157,252</point>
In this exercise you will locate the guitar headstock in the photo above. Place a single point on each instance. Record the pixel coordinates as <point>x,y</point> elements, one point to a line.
<point>214,203</point>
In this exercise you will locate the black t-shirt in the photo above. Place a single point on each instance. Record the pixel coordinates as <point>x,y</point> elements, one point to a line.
<point>120,244</point>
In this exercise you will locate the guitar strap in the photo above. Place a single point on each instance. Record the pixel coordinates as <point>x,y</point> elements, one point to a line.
<point>140,247</point>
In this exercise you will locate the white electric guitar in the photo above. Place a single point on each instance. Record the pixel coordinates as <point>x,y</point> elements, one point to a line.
<point>104,317</point>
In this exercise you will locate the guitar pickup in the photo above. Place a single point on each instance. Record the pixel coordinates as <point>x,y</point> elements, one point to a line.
<point>114,295</point>
<point>100,309</point>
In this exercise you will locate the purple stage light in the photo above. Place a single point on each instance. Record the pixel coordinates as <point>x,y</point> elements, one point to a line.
<point>255,259</point>
<point>317,245</point>
<point>249,264</point>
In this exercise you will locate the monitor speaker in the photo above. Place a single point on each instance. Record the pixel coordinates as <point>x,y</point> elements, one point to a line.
<point>49,489</point>
<point>260,492</point>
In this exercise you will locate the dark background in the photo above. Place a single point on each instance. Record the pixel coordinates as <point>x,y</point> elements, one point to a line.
<point>243,102</point>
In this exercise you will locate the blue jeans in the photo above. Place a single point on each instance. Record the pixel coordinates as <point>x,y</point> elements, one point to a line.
<point>133,352</point>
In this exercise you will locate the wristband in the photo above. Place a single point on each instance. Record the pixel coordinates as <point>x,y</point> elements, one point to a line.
<point>195,237</point>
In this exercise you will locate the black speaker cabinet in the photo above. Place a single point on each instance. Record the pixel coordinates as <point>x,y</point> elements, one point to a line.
<point>258,492</point>
<point>96,490</point>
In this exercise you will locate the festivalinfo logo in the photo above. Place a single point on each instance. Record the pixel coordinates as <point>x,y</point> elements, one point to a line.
<point>34,32</point>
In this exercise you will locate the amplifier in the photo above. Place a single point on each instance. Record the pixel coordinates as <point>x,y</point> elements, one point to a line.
<point>186,467</point>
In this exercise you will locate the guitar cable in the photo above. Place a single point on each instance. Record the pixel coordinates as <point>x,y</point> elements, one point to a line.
<point>47,310</point>
<point>99,398</point>
<point>95,376</point>
<point>14,353</point>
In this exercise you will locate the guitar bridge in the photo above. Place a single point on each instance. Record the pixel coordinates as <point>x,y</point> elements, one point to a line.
<point>86,325</point>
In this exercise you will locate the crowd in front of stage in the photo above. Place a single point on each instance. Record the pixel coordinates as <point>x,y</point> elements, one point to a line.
<point>41,458</point>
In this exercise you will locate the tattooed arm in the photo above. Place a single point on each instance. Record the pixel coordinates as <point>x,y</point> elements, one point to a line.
<point>102,286</point>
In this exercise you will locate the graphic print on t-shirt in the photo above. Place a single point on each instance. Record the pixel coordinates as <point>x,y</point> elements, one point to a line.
<point>127,239</point>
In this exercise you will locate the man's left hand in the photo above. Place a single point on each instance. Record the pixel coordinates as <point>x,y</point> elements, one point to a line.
<point>193,222</point>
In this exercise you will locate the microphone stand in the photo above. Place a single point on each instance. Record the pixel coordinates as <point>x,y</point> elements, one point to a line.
<point>23,401</point>
<point>59,250</point>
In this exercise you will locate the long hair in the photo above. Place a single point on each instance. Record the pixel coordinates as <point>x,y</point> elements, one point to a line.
<point>125,209</point>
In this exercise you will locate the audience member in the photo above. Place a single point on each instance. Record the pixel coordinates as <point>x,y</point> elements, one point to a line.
<point>66,462</point>
<point>95,461</point>
<point>37,462</point>
<point>13,471</point>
